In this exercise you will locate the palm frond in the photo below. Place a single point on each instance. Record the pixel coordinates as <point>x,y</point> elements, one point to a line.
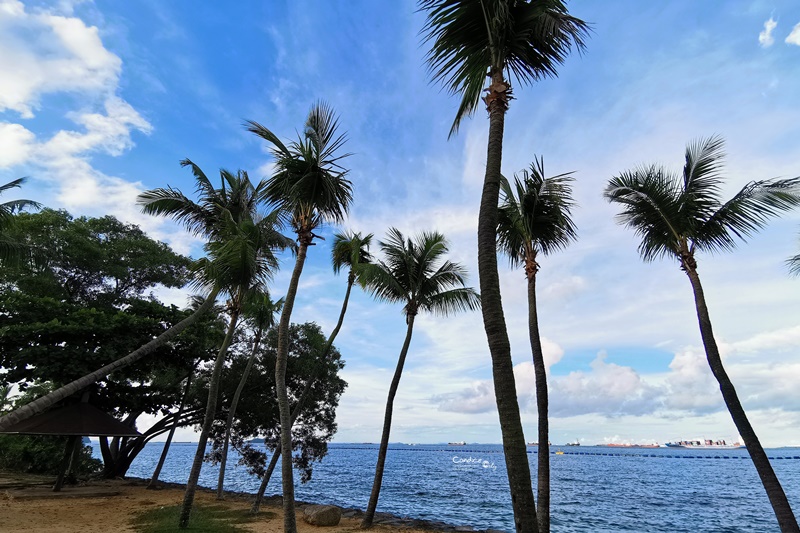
<point>309,181</point>
<point>535,215</point>
<point>469,39</point>
<point>746,213</point>
<point>414,272</point>
<point>350,249</point>
<point>649,199</point>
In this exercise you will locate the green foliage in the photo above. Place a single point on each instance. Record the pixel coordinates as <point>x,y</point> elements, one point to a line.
<point>415,272</point>
<point>40,454</point>
<point>526,40</point>
<point>11,250</point>
<point>257,413</point>
<point>309,183</point>
<point>535,214</point>
<point>79,303</point>
<point>678,214</point>
<point>205,518</point>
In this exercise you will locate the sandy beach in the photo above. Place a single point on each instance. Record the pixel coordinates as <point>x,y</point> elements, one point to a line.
<point>112,505</point>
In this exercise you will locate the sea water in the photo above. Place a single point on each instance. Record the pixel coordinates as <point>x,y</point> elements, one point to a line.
<point>593,489</point>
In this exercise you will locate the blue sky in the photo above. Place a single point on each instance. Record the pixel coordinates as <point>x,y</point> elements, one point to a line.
<point>100,100</point>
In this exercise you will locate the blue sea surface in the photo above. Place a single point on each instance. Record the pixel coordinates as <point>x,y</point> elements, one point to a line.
<point>594,489</point>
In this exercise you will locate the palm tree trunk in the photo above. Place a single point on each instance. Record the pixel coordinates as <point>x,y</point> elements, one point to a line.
<point>48,400</point>
<point>505,390</point>
<point>289,519</point>
<point>208,421</point>
<point>232,413</point>
<point>777,497</point>
<point>540,376</point>
<point>306,392</point>
<point>369,515</point>
<point>153,484</point>
<point>265,480</point>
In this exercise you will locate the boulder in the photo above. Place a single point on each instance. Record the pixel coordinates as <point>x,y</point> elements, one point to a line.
<point>322,515</point>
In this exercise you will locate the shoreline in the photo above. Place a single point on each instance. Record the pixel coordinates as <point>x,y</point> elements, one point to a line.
<point>381,519</point>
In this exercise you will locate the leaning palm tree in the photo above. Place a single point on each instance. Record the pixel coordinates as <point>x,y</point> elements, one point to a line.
<point>534,218</point>
<point>240,259</point>
<point>349,249</point>
<point>501,39</point>
<point>11,251</point>
<point>416,274</point>
<point>260,311</point>
<point>310,185</point>
<point>679,215</point>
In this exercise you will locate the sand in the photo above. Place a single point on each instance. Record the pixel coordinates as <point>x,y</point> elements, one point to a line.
<point>111,505</point>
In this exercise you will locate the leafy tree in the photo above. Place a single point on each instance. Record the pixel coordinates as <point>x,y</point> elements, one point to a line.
<point>10,250</point>
<point>81,302</point>
<point>105,263</point>
<point>240,259</point>
<point>534,218</point>
<point>258,415</point>
<point>310,185</point>
<point>416,274</point>
<point>500,39</point>
<point>678,215</point>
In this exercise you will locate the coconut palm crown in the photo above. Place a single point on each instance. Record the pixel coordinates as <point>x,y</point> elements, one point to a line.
<point>350,249</point>
<point>520,39</point>
<point>535,216</point>
<point>680,214</point>
<point>309,183</point>
<point>409,274</point>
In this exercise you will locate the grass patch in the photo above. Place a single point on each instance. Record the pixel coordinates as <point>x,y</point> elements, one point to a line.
<point>205,518</point>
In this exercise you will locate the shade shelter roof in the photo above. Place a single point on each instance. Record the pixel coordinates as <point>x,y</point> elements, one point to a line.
<point>80,419</point>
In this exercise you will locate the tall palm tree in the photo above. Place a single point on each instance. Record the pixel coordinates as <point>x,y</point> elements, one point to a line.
<point>678,215</point>
<point>310,185</point>
<point>240,259</point>
<point>349,249</point>
<point>260,310</point>
<point>534,218</point>
<point>11,251</point>
<point>501,39</point>
<point>416,274</point>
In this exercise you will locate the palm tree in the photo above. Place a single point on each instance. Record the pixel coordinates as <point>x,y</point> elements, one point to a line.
<point>260,310</point>
<point>414,273</point>
<point>534,218</point>
<point>471,40</point>
<point>11,251</point>
<point>679,215</point>
<point>310,185</point>
<point>240,259</point>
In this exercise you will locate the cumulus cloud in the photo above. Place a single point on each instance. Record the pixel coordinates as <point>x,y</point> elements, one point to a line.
<point>49,51</point>
<point>16,143</point>
<point>765,38</point>
<point>794,37</point>
<point>42,52</point>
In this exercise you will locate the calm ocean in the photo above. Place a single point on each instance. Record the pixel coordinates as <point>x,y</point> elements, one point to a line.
<point>594,489</point>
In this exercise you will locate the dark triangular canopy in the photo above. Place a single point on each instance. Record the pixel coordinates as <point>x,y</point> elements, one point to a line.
<point>80,419</point>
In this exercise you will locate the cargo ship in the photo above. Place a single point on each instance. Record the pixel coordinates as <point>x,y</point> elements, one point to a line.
<point>704,444</point>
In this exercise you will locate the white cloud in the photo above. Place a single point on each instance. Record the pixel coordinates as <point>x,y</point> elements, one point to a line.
<point>765,38</point>
<point>794,37</point>
<point>16,143</point>
<point>43,53</point>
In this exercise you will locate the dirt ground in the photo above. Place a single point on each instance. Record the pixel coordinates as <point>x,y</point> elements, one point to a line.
<point>111,505</point>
